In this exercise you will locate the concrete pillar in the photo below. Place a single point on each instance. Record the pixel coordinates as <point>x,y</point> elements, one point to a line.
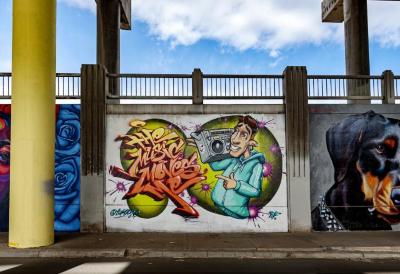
<point>197,87</point>
<point>297,148</point>
<point>357,47</point>
<point>388,91</point>
<point>33,124</point>
<point>94,87</point>
<point>108,39</point>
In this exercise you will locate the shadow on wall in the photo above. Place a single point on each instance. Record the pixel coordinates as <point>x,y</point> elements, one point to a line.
<point>67,167</point>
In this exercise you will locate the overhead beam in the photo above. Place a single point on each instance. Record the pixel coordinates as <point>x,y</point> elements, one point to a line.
<point>332,11</point>
<point>112,15</point>
<point>126,15</point>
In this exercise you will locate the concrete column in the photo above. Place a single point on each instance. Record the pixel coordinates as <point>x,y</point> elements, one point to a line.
<point>357,47</point>
<point>93,117</point>
<point>33,124</point>
<point>108,39</point>
<point>388,91</point>
<point>197,87</point>
<point>297,148</point>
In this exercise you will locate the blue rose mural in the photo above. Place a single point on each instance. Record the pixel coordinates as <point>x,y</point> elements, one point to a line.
<point>67,169</point>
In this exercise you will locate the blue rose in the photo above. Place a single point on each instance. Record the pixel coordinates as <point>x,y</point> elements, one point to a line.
<point>66,184</point>
<point>67,169</point>
<point>68,131</point>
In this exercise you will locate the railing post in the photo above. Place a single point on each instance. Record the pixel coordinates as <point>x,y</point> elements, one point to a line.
<point>197,87</point>
<point>297,148</point>
<point>388,87</point>
<point>94,87</point>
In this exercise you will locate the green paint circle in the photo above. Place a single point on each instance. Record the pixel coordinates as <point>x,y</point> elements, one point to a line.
<point>143,205</point>
<point>146,207</point>
<point>270,184</point>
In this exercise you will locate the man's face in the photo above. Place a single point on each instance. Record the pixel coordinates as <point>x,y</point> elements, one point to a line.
<point>240,140</point>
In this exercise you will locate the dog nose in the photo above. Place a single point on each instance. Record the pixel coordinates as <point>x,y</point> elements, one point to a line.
<point>395,196</point>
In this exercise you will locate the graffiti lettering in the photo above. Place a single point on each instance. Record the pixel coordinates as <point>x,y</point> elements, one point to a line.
<point>158,168</point>
<point>123,212</point>
<point>273,214</point>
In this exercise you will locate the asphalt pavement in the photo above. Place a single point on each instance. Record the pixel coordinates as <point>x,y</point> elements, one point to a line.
<point>342,252</point>
<point>169,265</point>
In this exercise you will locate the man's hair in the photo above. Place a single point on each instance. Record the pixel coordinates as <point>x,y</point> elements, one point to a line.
<point>250,122</point>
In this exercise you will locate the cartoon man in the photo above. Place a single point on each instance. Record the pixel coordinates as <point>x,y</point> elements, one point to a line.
<point>242,176</point>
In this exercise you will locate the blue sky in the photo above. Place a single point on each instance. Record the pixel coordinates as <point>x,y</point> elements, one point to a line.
<point>234,38</point>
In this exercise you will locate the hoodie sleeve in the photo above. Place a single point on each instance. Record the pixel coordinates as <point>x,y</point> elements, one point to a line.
<point>220,165</point>
<point>253,187</point>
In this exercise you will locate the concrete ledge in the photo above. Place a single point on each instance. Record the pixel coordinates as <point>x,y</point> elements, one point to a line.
<point>362,246</point>
<point>352,109</point>
<point>337,253</point>
<point>82,253</point>
<point>194,109</point>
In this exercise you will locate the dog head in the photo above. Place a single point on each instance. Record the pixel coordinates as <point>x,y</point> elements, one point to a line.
<point>368,145</point>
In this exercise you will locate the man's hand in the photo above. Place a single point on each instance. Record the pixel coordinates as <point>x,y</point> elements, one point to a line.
<point>229,182</point>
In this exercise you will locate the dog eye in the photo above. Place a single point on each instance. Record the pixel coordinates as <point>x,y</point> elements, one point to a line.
<point>380,149</point>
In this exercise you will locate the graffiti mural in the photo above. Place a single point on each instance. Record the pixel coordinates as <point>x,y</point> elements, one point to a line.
<point>195,173</point>
<point>5,130</point>
<point>364,193</point>
<point>67,167</point>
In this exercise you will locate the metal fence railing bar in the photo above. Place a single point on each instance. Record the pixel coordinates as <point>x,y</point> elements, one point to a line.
<point>5,85</point>
<point>220,86</point>
<point>397,86</point>
<point>153,86</point>
<point>68,85</point>
<point>338,87</point>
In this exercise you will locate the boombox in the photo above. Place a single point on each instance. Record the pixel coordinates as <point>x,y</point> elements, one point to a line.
<point>214,144</point>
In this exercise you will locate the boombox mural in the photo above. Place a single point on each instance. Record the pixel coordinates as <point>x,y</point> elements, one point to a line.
<point>195,173</point>
<point>364,191</point>
<point>67,167</point>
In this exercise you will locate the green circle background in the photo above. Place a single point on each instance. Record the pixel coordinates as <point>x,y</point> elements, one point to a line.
<point>270,184</point>
<point>144,205</point>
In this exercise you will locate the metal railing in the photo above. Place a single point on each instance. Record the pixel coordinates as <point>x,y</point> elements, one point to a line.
<point>152,86</point>
<point>5,85</point>
<point>220,86</point>
<point>338,87</point>
<point>68,85</point>
<point>182,86</point>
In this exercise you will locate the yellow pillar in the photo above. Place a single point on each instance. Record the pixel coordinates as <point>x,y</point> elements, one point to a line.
<point>32,123</point>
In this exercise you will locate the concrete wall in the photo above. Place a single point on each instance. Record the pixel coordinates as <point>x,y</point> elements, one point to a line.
<point>323,117</point>
<point>201,205</point>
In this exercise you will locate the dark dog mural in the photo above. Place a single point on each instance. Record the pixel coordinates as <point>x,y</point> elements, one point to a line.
<point>364,150</point>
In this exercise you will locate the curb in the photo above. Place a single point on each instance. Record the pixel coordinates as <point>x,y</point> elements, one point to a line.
<point>327,253</point>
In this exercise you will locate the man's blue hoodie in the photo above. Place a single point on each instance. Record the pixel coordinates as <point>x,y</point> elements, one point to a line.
<point>248,176</point>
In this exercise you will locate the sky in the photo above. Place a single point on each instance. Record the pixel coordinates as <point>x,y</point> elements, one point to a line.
<point>225,36</point>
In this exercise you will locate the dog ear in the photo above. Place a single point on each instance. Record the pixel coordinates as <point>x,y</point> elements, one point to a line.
<point>343,142</point>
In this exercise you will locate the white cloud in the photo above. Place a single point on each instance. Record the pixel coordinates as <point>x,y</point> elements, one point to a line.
<point>262,24</point>
<point>243,24</point>
<point>271,25</point>
<point>384,23</point>
<point>82,4</point>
